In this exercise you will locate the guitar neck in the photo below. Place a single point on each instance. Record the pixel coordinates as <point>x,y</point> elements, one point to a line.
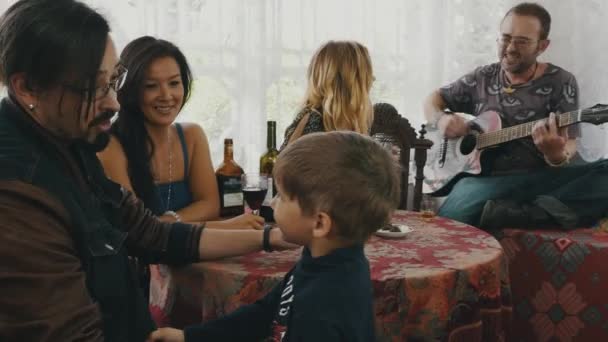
<point>490,139</point>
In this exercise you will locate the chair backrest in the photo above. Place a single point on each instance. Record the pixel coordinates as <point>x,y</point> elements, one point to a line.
<point>388,122</point>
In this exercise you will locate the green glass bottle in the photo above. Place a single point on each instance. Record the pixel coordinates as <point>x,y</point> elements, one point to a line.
<point>267,162</point>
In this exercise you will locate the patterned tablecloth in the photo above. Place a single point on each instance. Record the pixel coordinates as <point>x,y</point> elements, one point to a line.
<point>443,281</point>
<point>559,282</point>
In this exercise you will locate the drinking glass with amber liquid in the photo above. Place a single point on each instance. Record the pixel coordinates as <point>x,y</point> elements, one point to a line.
<point>427,207</point>
<point>255,187</point>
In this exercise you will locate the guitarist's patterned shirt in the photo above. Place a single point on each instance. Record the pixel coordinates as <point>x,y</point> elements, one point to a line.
<point>482,90</point>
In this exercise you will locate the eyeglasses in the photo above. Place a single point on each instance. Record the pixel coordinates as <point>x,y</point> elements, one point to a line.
<point>116,82</point>
<point>518,42</point>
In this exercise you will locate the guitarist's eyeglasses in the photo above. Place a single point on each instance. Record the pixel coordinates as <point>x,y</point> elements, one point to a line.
<point>519,42</point>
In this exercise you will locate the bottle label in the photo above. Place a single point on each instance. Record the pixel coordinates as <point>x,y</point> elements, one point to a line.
<point>232,192</point>
<point>269,193</point>
<point>233,200</point>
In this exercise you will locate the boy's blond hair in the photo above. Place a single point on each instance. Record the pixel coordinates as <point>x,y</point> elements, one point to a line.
<point>344,174</point>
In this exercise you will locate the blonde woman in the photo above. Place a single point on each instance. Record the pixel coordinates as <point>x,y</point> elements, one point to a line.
<point>340,77</point>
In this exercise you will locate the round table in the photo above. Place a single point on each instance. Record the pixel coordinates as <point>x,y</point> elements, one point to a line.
<point>444,281</point>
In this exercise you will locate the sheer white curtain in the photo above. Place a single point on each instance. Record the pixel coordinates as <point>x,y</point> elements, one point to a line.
<point>250,56</point>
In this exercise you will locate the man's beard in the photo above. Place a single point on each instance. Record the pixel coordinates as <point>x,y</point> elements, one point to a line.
<point>102,139</point>
<point>524,63</point>
<point>98,144</point>
<point>520,67</point>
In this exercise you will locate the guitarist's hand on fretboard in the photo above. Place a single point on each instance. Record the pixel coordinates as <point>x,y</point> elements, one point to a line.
<point>550,140</point>
<point>452,126</point>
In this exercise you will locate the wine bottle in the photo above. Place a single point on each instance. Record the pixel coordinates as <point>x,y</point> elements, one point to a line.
<point>267,162</point>
<point>228,176</point>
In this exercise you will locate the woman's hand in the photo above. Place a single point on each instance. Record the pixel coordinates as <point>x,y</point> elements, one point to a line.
<point>244,221</point>
<point>166,335</point>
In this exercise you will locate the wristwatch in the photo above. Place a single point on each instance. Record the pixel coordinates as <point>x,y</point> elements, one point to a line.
<point>266,238</point>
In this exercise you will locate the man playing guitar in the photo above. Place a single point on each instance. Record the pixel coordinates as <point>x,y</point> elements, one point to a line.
<point>527,182</point>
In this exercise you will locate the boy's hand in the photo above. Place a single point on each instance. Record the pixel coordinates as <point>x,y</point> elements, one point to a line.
<point>166,335</point>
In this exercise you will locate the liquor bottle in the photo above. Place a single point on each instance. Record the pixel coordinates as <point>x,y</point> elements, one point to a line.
<point>267,162</point>
<point>228,176</point>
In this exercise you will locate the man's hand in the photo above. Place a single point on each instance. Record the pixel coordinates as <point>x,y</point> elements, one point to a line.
<point>166,335</point>
<point>550,140</point>
<point>277,241</point>
<point>244,221</point>
<point>452,126</point>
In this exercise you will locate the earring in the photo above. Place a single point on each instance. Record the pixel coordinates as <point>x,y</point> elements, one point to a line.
<point>31,106</point>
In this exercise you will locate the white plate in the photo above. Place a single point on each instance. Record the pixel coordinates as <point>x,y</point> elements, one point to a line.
<point>404,230</point>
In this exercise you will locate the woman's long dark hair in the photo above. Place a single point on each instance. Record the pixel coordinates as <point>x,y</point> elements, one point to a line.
<point>129,128</point>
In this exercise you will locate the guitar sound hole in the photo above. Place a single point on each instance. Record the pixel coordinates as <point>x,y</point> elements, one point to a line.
<point>468,144</point>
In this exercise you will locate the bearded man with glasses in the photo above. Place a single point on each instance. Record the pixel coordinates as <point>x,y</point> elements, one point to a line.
<point>66,230</point>
<point>528,182</point>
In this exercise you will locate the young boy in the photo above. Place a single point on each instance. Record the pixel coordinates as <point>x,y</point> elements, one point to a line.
<point>333,191</point>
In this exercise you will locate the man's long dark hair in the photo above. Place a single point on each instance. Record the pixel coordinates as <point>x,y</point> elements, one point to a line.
<point>129,128</point>
<point>53,42</point>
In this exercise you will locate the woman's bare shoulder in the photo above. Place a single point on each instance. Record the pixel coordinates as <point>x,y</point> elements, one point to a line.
<point>193,133</point>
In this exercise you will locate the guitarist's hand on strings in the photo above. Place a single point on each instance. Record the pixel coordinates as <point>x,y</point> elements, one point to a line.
<point>452,126</point>
<point>551,141</point>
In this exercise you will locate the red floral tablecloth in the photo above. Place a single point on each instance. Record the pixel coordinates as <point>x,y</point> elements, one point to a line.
<point>559,282</point>
<point>444,281</point>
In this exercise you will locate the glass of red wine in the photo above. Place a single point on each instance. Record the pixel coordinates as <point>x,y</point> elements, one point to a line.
<point>255,187</point>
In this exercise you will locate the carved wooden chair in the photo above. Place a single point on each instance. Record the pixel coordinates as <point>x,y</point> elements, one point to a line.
<point>388,122</point>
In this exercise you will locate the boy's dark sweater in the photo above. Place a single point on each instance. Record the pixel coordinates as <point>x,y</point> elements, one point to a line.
<point>328,298</point>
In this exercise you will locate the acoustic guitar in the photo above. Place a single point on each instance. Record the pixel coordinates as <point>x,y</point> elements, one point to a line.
<point>453,159</point>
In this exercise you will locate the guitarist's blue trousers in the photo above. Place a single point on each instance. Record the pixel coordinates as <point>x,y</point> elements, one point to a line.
<point>583,188</point>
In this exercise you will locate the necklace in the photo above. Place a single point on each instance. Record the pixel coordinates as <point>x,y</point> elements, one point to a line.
<point>170,168</point>
<point>509,88</point>
<point>167,204</point>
